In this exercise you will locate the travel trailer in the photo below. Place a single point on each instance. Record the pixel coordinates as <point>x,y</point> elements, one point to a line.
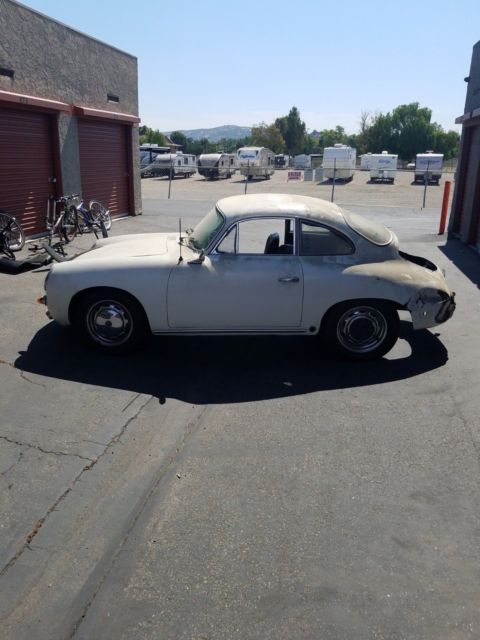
<point>178,164</point>
<point>256,162</point>
<point>428,166</point>
<point>383,167</point>
<point>281,161</point>
<point>302,161</point>
<point>217,165</point>
<point>339,161</point>
<point>148,153</point>
<point>365,160</point>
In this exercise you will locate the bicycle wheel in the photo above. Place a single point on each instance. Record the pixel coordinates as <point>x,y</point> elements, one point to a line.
<point>14,236</point>
<point>69,223</point>
<point>99,212</point>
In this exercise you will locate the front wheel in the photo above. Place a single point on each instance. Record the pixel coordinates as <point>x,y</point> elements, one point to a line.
<point>14,235</point>
<point>99,213</point>
<point>111,321</point>
<point>361,330</point>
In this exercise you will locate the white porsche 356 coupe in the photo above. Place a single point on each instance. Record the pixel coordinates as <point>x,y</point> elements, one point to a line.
<point>256,264</point>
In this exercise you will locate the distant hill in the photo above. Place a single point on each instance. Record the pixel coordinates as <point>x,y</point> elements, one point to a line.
<point>215,134</point>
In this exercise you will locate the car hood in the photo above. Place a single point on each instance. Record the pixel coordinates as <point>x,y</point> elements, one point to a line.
<point>132,246</point>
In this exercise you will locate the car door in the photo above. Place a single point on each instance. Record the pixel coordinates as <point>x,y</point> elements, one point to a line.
<point>249,282</point>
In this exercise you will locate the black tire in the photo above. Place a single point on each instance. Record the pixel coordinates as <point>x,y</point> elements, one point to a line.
<point>15,236</point>
<point>361,329</point>
<point>110,321</point>
<point>99,212</point>
<point>69,224</point>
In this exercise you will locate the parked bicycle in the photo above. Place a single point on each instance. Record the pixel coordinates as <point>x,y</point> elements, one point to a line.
<point>12,236</point>
<point>93,217</point>
<point>62,218</point>
<point>12,239</point>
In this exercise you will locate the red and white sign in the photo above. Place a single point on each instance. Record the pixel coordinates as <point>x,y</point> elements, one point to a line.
<point>295,175</point>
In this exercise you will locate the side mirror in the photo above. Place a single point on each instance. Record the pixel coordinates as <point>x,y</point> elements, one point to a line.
<point>198,260</point>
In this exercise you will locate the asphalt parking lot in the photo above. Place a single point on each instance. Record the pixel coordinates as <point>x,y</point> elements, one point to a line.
<point>245,487</point>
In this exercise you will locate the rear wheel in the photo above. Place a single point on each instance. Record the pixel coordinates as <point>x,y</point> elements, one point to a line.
<point>362,330</point>
<point>99,213</point>
<point>14,235</point>
<point>69,224</point>
<point>111,321</point>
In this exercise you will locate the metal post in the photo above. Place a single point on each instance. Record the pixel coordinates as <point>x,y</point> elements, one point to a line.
<point>334,175</point>
<point>443,216</point>
<point>170,178</point>
<point>425,177</point>
<point>246,177</point>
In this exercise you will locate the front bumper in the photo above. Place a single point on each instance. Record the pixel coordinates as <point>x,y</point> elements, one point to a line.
<point>428,309</point>
<point>447,309</point>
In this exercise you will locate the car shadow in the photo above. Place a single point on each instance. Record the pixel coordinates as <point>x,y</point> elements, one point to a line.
<point>464,258</point>
<point>218,370</point>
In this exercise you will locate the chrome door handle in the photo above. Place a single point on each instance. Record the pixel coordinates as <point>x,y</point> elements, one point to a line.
<point>291,279</point>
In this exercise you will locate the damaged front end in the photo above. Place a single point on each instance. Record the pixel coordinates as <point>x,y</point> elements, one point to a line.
<point>429,307</point>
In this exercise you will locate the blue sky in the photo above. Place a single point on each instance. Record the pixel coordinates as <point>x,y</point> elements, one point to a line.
<point>204,63</point>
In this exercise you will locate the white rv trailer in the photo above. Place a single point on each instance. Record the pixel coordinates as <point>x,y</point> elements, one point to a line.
<point>217,165</point>
<point>178,164</point>
<point>281,161</point>
<point>365,160</point>
<point>302,161</point>
<point>148,153</point>
<point>256,162</point>
<point>339,160</point>
<point>428,166</point>
<point>383,167</point>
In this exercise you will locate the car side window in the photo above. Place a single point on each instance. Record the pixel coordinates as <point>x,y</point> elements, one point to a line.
<point>229,242</point>
<point>265,236</point>
<point>317,240</point>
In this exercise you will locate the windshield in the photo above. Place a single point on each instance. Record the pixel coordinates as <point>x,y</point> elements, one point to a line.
<point>244,155</point>
<point>205,230</point>
<point>372,231</point>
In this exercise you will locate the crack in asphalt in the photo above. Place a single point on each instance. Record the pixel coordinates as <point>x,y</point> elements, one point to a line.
<point>14,464</point>
<point>131,402</point>
<point>163,470</point>
<point>54,453</point>
<point>22,373</point>
<point>24,377</point>
<point>92,462</point>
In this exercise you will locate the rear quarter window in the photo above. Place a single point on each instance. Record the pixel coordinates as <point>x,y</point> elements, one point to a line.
<point>318,240</point>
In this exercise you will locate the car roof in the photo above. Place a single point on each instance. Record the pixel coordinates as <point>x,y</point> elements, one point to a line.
<point>279,204</point>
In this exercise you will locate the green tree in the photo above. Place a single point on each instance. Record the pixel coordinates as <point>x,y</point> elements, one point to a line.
<point>412,131</point>
<point>446,142</point>
<point>379,135</point>
<point>293,131</point>
<point>179,138</point>
<point>269,136</point>
<point>151,136</point>
<point>408,130</point>
<point>330,137</point>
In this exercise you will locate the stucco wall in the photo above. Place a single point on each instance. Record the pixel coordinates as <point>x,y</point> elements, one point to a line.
<point>464,215</point>
<point>51,60</point>
<point>473,92</point>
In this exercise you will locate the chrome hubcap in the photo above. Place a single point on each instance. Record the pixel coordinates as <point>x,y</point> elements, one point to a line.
<point>109,322</point>
<point>362,329</point>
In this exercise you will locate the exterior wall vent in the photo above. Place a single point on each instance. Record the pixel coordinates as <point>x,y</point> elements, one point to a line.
<point>112,98</point>
<point>9,73</point>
